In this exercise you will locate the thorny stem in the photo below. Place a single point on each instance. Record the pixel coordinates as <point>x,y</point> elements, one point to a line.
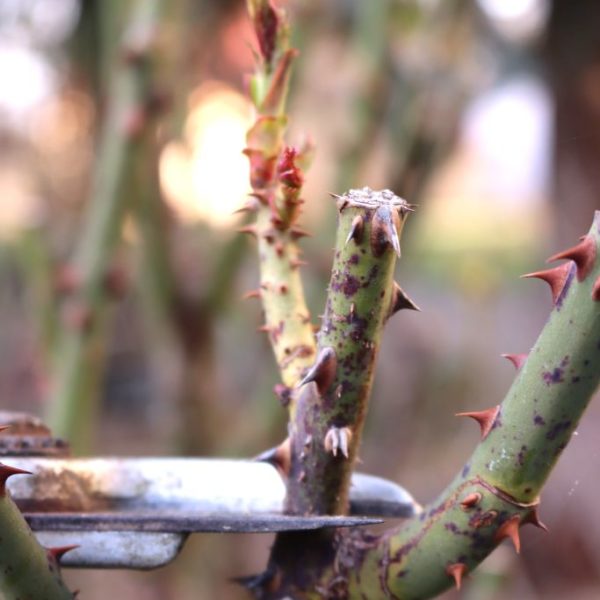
<point>27,570</point>
<point>72,404</point>
<point>326,430</point>
<point>497,490</point>
<point>276,182</point>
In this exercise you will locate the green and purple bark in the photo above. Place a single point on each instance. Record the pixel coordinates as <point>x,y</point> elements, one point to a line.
<point>326,429</point>
<point>27,570</point>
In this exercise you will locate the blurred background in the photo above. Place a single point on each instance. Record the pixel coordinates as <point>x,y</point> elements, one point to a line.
<point>484,113</point>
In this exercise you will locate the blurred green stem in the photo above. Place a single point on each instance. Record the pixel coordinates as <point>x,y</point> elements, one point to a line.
<point>79,363</point>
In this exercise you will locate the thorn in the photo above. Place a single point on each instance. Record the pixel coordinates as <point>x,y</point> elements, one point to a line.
<point>596,290</point>
<point>296,262</point>
<point>384,231</point>
<point>59,551</point>
<point>250,229</point>
<point>583,255</point>
<point>283,288</point>
<point>250,206</point>
<point>471,500</point>
<point>516,359</point>
<point>283,393</point>
<point>341,201</point>
<point>337,438</point>
<point>262,197</point>
<point>356,230</point>
<point>323,371</point>
<point>252,294</point>
<point>533,518</point>
<point>4,428</point>
<point>555,278</point>
<point>457,572</point>
<point>279,249</point>
<point>279,456</point>
<point>510,529</point>
<point>264,329</point>
<point>485,418</point>
<point>5,472</point>
<point>400,301</point>
<point>298,233</point>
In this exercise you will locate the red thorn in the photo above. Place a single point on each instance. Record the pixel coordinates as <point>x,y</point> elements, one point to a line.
<point>5,472</point>
<point>264,329</point>
<point>555,278</point>
<point>583,255</point>
<point>457,572</point>
<point>485,418</point>
<point>250,229</point>
<point>298,233</point>
<point>533,518</point>
<point>296,262</point>
<point>596,290</point>
<point>516,359</point>
<point>279,456</point>
<point>356,230</point>
<point>323,371</point>
<point>252,294</point>
<point>510,529</point>
<point>249,206</point>
<point>400,301</point>
<point>471,500</point>
<point>384,231</point>
<point>58,552</point>
<point>4,428</point>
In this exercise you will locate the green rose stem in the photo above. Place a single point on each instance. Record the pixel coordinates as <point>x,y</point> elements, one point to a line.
<point>27,570</point>
<point>88,283</point>
<point>276,179</point>
<point>498,489</point>
<point>326,430</point>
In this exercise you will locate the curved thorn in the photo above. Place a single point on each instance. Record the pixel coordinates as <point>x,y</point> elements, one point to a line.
<point>533,518</point>
<point>400,301</point>
<point>555,278</point>
<point>457,571</point>
<point>485,418</point>
<point>59,551</point>
<point>356,230</point>
<point>510,529</point>
<point>279,457</point>
<point>7,471</point>
<point>384,231</point>
<point>323,371</point>
<point>518,360</point>
<point>583,255</point>
<point>298,233</point>
<point>252,294</point>
<point>249,229</point>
